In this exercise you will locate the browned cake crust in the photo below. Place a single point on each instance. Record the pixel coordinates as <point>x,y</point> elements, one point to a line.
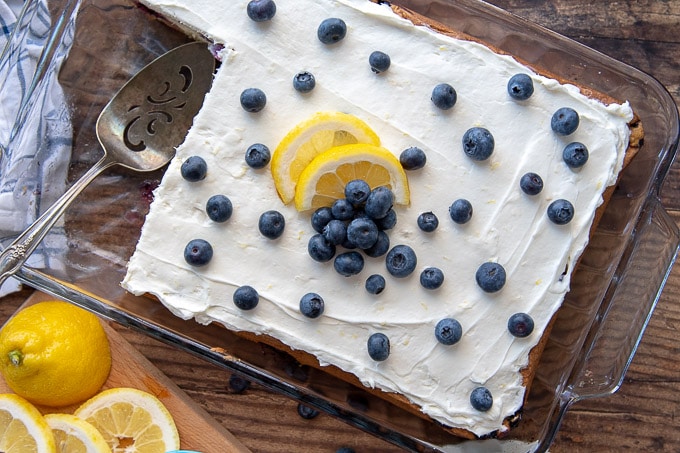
<point>304,358</point>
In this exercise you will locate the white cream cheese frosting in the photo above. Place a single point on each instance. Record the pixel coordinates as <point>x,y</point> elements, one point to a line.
<point>507,226</point>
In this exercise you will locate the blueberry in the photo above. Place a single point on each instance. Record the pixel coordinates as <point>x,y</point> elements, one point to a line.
<point>460,211</point>
<point>359,213</point>
<point>531,183</point>
<point>428,222</point>
<point>431,278</point>
<point>379,61</point>
<point>561,212</point>
<point>520,87</point>
<point>478,143</point>
<point>258,155</point>
<point>304,82</point>
<point>448,331</point>
<point>253,100</point>
<point>238,384</point>
<point>335,232</point>
<point>378,347</point>
<point>388,222</point>
<point>564,121</point>
<point>375,284</point>
<point>271,224</point>
<point>311,305</point>
<point>198,252</point>
<point>194,169</point>
<point>219,208</point>
<point>362,232</point>
<point>331,30</point>
<point>381,246</point>
<point>520,325</point>
<point>481,399</point>
<point>444,96</point>
<point>401,261</point>
<point>349,263</point>
<point>320,218</point>
<point>320,249</point>
<point>342,209</point>
<point>412,158</point>
<point>345,450</point>
<point>490,277</point>
<point>575,155</point>
<point>379,202</point>
<point>306,412</point>
<point>261,10</point>
<point>356,191</point>
<point>246,297</point>
<point>349,245</point>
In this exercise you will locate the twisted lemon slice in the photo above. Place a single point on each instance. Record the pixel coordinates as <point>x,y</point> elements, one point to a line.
<point>319,133</point>
<point>323,180</point>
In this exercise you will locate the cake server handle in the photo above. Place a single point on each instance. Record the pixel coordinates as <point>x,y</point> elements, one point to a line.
<point>16,254</point>
<point>622,319</point>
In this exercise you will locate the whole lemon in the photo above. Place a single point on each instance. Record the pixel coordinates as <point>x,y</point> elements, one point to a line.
<point>54,353</point>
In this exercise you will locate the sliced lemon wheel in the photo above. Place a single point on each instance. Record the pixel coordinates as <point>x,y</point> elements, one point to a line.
<point>74,435</point>
<point>23,429</point>
<point>131,420</point>
<point>323,180</point>
<point>319,133</point>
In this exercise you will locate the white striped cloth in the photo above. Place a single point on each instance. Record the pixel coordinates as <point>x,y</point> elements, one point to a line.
<point>34,157</point>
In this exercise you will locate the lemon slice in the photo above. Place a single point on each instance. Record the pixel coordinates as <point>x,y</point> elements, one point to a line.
<point>317,134</point>
<point>23,429</point>
<point>131,420</point>
<point>75,435</point>
<point>323,180</point>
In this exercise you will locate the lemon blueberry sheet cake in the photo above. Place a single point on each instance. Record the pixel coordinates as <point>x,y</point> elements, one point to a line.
<point>403,206</point>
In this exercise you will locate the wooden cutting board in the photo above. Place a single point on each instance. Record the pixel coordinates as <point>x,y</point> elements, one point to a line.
<point>197,429</point>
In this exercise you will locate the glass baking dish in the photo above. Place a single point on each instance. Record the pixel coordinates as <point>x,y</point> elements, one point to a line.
<point>93,46</point>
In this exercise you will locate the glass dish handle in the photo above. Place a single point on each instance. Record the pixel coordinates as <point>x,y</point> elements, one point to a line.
<point>628,305</point>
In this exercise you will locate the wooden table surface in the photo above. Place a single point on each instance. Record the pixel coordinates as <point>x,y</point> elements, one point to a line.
<point>643,415</point>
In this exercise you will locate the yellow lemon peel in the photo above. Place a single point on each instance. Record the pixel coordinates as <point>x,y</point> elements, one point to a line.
<point>54,354</point>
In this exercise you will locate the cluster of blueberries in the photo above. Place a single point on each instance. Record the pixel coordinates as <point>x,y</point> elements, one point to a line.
<point>359,221</point>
